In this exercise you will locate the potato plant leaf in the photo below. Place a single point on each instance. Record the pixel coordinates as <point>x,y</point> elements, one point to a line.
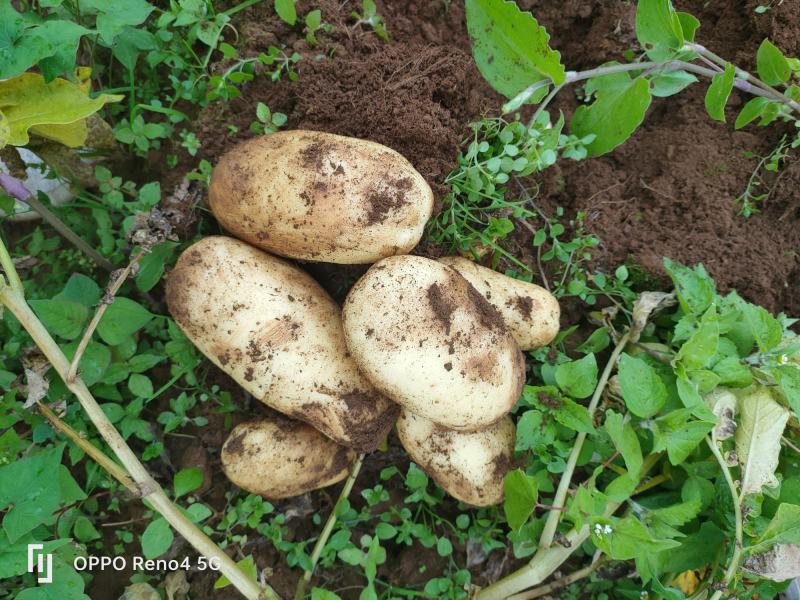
<point>642,389</point>
<point>286,11</point>
<point>719,91</point>
<point>578,378</point>
<point>658,28</point>
<point>670,82</point>
<point>695,289</point>
<point>614,115</point>
<point>784,528</point>
<point>521,493</point>
<point>788,377</point>
<point>751,111</point>
<point>676,433</point>
<point>511,48</point>
<point>700,348</point>
<point>771,64</point>
<point>625,441</point>
<point>55,110</point>
<point>758,439</point>
<point>765,328</point>
<point>626,538</point>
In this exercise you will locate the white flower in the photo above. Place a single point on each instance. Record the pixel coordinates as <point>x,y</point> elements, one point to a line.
<point>607,530</point>
<point>783,359</point>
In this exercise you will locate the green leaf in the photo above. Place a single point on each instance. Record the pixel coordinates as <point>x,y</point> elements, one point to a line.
<point>613,116</point>
<point>626,538</point>
<point>694,287</point>
<point>772,66</point>
<point>788,377</point>
<point>625,441</point>
<point>765,328</point>
<point>286,11</point>
<point>643,390</point>
<point>689,25</point>
<point>248,567</point>
<point>157,538</point>
<point>94,362</point>
<point>784,528</point>
<point>111,21</point>
<point>578,378</point>
<point>573,415</point>
<point>511,48</point>
<point>521,493</point>
<point>695,551</point>
<point>678,435</point>
<point>758,439</point>
<point>658,28</point>
<point>80,289</point>
<point>670,82</point>
<point>321,594</point>
<point>140,386</point>
<point>700,348</point>
<point>84,530</point>
<point>61,317</point>
<point>123,318</point>
<point>732,372</point>
<point>187,480</point>
<point>754,109</point>
<point>719,91</point>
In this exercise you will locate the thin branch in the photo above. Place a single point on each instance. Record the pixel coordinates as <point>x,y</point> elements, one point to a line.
<point>551,524</point>
<point>789,444</point>
<point>544,590</point>
<point>328,529</point>
<point>105,302</point>
<point>14,187</point>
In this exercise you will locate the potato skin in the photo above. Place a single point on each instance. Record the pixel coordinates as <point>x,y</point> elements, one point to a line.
<point>530,312</point>
<point>470,466</point>
<point>320,197</point>
<point>429,341</point>
<point>273,329</point>
<point>278,457</point>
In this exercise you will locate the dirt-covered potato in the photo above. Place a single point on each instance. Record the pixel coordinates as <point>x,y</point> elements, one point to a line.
<point>469,465</point>
<point>530,312</point>
<point>428,340</point>
<point>273,329</point>
<point>278,457</point>
<point>322,197</point>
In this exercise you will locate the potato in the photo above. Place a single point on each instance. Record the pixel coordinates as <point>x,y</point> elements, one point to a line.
<point>278,457</point>
<point>273,329</point>
<point>429,341</point>
<point>530,312</point>
<point>470,466</point>
<point>320,197</point>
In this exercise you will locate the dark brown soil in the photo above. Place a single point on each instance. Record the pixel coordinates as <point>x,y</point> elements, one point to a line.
<point>667,192</point>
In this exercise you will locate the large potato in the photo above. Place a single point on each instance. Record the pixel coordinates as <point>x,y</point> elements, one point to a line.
<point>428,340</point>
<point>470,466</point>
<point>321,197</point>
<point>279,457</point>
<point>273,329</point>
<point>530,312</point>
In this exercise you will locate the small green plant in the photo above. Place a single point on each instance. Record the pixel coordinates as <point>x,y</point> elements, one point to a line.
<point>313,23</point>
<point>268,122</point>
<point>752,197</point>
<point>369,16</point>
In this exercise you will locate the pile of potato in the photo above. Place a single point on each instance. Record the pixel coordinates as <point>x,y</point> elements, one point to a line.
<point>433,346</point>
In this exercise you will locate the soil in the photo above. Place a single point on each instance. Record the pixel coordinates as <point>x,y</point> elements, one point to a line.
<point>668,191</point>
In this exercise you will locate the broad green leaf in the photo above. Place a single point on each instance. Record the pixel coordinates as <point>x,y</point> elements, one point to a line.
<point>521,493</point>
<point>695,551</point>
<point>578,378</point>
<point>751,111</point>
<point>94,362</point>
<point>788,377</point>
<point>187,480</point>
<point>321,594</point>
<point>719,91</point>
<point>157,538</point>
<point>140,386</point>
<point>61,317</point>
<point>772,66</point>
<point>510,48</point>
<point>678,514</point>
<point>733,372</point>
<point>625,441</point>
<point>642,389</point>
<point>784,528</point>
<point>111,21</point>
<point>573,415</point>
<point>55,110</point>
<point>67,584</point>
<point>248,567</point>
<point>694,287</point>
<point>613,116</point>
<point>700,348</point>
<point>758,439</point>
<point>670,82</point>
<point>658,28</point>
<point>679,435</point>
<point>80,289</point>
<point>84,530</point>
<point>122,318</point>
<point>765,328</point>
<point>689,25</point>
<point>14,556</point>
<point>626,538</point>
<point>151,267</point>
<point>286,11</point>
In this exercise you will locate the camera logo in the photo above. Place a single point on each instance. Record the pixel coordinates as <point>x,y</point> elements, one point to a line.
<point>44,563</point>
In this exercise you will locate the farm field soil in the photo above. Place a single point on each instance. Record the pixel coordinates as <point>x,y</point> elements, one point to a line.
<point>668,191</point>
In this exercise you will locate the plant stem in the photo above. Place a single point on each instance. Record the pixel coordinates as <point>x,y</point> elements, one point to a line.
<point>737,513</point>
<point>326,531</point>
<point>105,302</point>
<point>547,560</point>
<point>551,524</point>
<point>544,590</point>
<point>147,486</point>
<point>97,455</point>
<point>15,188</point>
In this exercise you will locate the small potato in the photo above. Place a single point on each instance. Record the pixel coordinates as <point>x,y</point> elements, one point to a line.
<point>320,197</point>
<point>470,466</point>
<point>278,457</point>
<point>429,341</point>
<point>273,329</point>
<point>531,312</point>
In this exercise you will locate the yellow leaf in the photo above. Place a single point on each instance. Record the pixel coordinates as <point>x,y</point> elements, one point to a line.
<point>687,582</point>
<point>5,130</point>
<point>55,110</point>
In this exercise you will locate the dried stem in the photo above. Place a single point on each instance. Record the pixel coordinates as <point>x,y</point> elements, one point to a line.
<point>328,529</point>
<point>147,487</point>
<point>545,590</point>
<point>105,302</point>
